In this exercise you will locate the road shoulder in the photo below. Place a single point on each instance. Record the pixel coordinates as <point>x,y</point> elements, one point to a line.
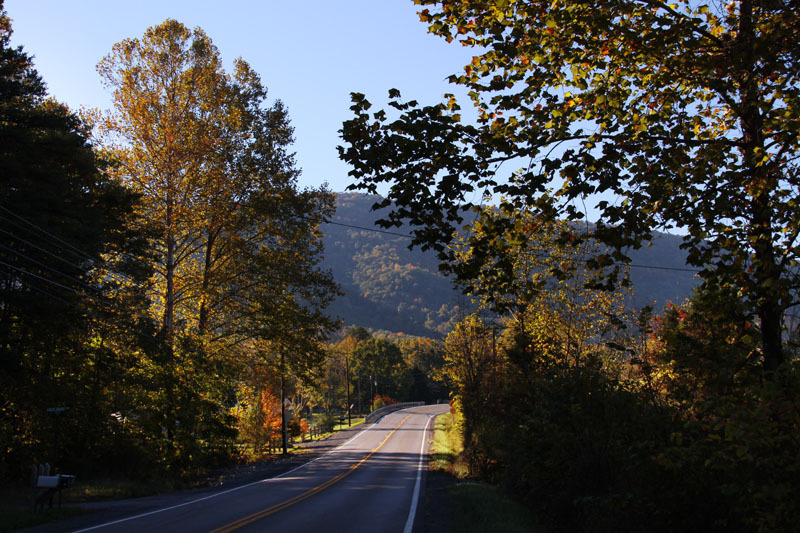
<point>100,512</point>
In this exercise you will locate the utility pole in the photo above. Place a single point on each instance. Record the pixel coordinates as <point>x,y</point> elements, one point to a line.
<point>283,406</point>
<point>347,379</point>
<point>494,343</point>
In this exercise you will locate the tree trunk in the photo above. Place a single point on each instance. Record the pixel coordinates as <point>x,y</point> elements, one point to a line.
<point>771,337</point>
<point>169,294</point>
<point>762,183</point>
<point>283,407</point>
<point>202,322</point>
<point>347,380</point>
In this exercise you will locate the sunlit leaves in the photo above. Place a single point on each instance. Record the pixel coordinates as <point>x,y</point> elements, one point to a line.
<point>685,114</point>
<point>237,281</point>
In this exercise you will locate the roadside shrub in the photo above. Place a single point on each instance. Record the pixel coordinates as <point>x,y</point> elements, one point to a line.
<point>382,401</point>
<point>325,422</point>
<point>689,436</point>
<point>577,446</point>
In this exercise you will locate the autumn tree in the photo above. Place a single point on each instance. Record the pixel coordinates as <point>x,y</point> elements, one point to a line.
<point>381,362</point>
<point>535,274</point>
<point>662,115</point>
<point>470,368</point>
<point>237,282</point>
<point>213,164</point>
<point>345,349</point>
<point>424,358</point>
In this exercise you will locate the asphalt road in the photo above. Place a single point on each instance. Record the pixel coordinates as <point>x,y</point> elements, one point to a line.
<point>371,483</point>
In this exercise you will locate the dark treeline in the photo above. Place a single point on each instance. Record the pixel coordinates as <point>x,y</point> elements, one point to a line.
<point>382,367</point>
<point>668,425</point>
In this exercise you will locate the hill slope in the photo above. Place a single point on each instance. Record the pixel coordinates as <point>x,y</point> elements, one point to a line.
<point>389,287</point>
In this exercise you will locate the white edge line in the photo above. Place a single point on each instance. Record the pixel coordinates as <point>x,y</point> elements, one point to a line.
<point>184,504</point>
<point>415,498</point>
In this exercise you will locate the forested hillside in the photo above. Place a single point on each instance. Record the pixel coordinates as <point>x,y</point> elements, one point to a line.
<point>386,285</point>
<point>389,287</point>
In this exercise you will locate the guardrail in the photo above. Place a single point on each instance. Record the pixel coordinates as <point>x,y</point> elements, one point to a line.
<point>377,413</point>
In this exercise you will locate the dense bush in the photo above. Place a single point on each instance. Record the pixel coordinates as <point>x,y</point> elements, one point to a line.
<point>689,435</point>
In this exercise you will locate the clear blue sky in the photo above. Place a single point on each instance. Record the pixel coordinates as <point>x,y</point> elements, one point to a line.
<point>310,53</point>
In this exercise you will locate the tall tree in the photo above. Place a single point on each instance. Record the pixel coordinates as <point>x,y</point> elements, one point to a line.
<point>681,115</point>
<point>382,362</point>
<point>238,241</point>
<point>212,161</point>
<point>170,96</point>
<point>470,368</point>
<point>533,271</point>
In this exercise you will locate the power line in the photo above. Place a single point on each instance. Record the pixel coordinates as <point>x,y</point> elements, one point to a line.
<point>135,331</point>
<point>48,267</point>
<point>75,250</point>
<point>632,265</point>
<point>64,245</point>
<point>371,229</point>
<point>50,294</point>
<point>39,277</point>
<point>695,271</point>
<point>51,254</point>
<point>96,299</point>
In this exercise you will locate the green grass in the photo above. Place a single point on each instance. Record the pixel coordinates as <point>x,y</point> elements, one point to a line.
<point>355,421</point>
<point>481,508</point>
<point>476,507</point>
<point>108,489</point>
<point>447,446</point>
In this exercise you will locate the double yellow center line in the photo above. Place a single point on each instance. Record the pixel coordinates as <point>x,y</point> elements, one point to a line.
<point>233,526</point>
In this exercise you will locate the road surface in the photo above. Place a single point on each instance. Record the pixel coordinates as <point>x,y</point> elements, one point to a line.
<point>371,483</point>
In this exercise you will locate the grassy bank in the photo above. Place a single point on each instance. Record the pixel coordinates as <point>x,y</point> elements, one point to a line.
<point>473,506</point>
<point>447,448</point>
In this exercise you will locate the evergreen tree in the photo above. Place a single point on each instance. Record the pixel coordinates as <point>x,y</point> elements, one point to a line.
<point>64,280</point>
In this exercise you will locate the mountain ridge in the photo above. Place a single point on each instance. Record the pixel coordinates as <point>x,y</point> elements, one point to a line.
<point>389,287</point>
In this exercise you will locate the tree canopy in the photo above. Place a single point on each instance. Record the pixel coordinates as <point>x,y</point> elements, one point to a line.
<point>156,275</point>
<point>236,237</point>
<point>237,288</point>
<point>71,273</point>
<point>680,115</point>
